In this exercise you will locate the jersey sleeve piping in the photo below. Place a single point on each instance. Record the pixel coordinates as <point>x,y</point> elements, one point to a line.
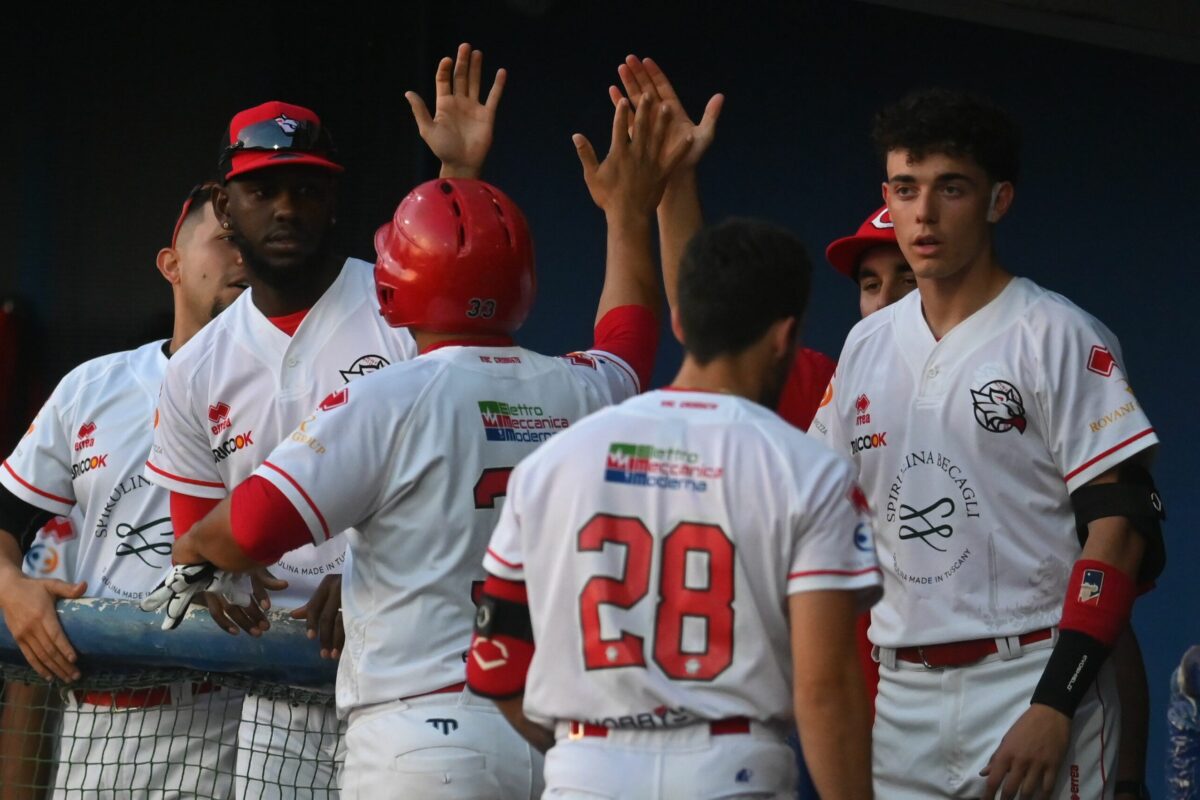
<point>506,563</point>
<point>66,503</point>
<point>1094,466</point>
<point>304,494</point>
<point>181,479</point>
<point>845,572</point>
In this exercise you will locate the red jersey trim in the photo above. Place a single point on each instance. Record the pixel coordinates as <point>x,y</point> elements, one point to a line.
<point>508,564</point>
<point>289,323</point>
<point>181,479</point>
<point>34,489</point>
<point>304,494</point>
<point>691,389</point>
<point>1107,453</point>
<point>479,341</point>
<point>619,362</point>
<point>847,572</point>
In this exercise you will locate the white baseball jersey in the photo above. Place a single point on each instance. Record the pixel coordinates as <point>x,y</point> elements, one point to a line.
<point>411,463</point>
<point>241,385</point>
<point>658,542</point>
<point>82,459</point>
<point>968,449</point>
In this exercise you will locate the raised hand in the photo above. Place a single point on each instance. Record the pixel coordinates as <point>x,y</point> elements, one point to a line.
<point>460,130</point>
<point>631,179</point>
<point>643,79</point>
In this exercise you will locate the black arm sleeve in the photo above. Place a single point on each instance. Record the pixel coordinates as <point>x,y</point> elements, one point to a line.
<point>21,519</point>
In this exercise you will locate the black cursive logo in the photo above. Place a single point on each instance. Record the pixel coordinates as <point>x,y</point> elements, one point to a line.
<point>945,507</point>
<point>125,530</point>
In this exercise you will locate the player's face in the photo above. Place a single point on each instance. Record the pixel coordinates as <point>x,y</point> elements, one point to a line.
<point>883,278</point>
<point>211,273</point>
<point>280,219</point>
<point>939,206</point>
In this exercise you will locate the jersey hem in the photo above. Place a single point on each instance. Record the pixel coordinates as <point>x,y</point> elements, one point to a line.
<point>29,493</point>
<point>178,483</point>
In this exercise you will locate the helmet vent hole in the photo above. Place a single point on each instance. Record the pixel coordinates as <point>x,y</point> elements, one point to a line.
<point>447,188</point>
<point>456,207</point>
<point>462,236</point>
<point>499,208</point>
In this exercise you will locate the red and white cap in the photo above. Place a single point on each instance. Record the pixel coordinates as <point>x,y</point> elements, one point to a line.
<point>845,253</point>
<point>275,134</point>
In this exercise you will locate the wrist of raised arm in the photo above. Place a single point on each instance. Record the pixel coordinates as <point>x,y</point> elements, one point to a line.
<point>460,171</point>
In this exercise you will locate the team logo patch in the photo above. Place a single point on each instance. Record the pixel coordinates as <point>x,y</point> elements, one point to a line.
<point>363,365</point>
<point>998,407</point>
<point>335,399</point>
<point>42,559</point>
<point>658,468</point>
<point>518,422</point>
<point>858,499</point>
<point>861,404</point>
<point>287,124</point>
<point>87,429</point>
<point>59,529</point>
<point>1091,586</point>
<point>827,398</point>
<point>1101,361</point>
<point>862,537</point>
<point>580,359</point>
<point>883,220</point>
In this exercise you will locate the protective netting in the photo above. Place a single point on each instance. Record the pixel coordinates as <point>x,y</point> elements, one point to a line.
<point>165,733</point>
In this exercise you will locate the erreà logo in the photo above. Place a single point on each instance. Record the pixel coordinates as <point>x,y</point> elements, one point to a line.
<point>998,407</point>
<point>218,414</point>
<point>85,436</point>
<point>232,445</point>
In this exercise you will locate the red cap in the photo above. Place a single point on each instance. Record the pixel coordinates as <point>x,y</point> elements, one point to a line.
<point>275,134</point>
<point>845,253</point>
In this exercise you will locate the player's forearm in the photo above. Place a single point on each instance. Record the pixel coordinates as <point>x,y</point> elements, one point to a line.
<point>679,219</point>
<point>536,735</point>
<point>211,540</point>
<point>630,277</point>
<point>835,733</point>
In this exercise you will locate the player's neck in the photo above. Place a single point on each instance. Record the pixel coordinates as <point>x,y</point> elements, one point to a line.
<point>725,375</point>
<point>300,291</point>
<point>430,340</point>
<point>947,301</point>
<point>185,325</point>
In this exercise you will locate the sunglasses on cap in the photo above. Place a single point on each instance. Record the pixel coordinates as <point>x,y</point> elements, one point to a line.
<point>281,133</point>
<point>200,193</point>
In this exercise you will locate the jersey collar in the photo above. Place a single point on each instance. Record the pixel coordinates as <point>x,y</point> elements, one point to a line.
<point>469,341</point>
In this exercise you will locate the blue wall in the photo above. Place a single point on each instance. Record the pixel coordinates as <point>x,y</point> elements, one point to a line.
<point>117,117</point>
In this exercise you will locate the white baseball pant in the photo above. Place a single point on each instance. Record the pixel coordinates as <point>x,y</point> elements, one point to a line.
<point>287,750</point>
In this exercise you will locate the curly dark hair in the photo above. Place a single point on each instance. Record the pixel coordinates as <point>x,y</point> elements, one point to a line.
<point>952,122</point>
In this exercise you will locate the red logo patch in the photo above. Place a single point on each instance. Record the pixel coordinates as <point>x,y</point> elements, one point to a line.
<point>859,500</point>
<point>489,653</point>
<point>60,529</point>
<point>218,412</point>
<point>862,404</point>
<point>87,429</point>
<point>335,399</point>
<point>1101,361</point>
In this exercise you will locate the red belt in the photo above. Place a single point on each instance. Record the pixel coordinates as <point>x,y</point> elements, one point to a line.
<point>719,727</point>
<point>138,698</point>
<point>452,689</point>
<point>958,654</point>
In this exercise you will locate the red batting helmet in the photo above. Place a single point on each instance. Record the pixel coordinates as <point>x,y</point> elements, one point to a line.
<point>845,253</point>
<point>455,258</point>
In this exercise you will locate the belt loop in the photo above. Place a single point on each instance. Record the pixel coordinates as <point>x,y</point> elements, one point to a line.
<point>1008,647</point>
<point>884,656</point>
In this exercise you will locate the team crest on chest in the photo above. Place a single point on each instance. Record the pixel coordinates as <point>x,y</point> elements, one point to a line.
<point>998,407</point>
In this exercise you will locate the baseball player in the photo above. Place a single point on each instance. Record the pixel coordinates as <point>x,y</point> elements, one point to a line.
<point>1007,473</point>
<point>82,458</point>
<point>412,462</point>
<point>672,618</point>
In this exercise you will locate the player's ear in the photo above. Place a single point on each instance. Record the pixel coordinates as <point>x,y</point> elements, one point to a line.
<point>782,334</point>
<point>676,325</point>
<point>220,204</point>
<point>168,264</point>
<point>1003,194</point>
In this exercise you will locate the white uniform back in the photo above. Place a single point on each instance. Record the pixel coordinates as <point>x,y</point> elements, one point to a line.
<point>83,457</point>
<point>412,462</point>
<point>968,449</point>
<point>659,541</point>
<point>241,385</point>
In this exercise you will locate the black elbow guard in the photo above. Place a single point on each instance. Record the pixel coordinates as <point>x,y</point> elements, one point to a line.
<point>1133,497</point>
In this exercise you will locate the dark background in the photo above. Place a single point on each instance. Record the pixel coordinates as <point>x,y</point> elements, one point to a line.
<point>112,117</point>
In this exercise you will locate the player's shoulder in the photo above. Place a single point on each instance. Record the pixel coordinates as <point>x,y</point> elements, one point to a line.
<point>397,388</point>
<point>1049,317</point>
<point>875,330</point>
<point>144,363</point>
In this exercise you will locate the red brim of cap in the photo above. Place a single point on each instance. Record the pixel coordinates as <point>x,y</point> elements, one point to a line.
<point>846,252</point>
<point>254,160</point>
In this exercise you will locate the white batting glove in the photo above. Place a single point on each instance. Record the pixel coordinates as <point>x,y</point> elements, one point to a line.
<point>177,589</point>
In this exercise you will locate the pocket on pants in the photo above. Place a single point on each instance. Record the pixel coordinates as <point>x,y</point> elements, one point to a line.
<point>445,772</point>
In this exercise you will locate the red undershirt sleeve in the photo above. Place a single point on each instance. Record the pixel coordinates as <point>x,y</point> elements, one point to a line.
<point>187,510</point>
<point>264,522</point>
<point>631,334</point>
